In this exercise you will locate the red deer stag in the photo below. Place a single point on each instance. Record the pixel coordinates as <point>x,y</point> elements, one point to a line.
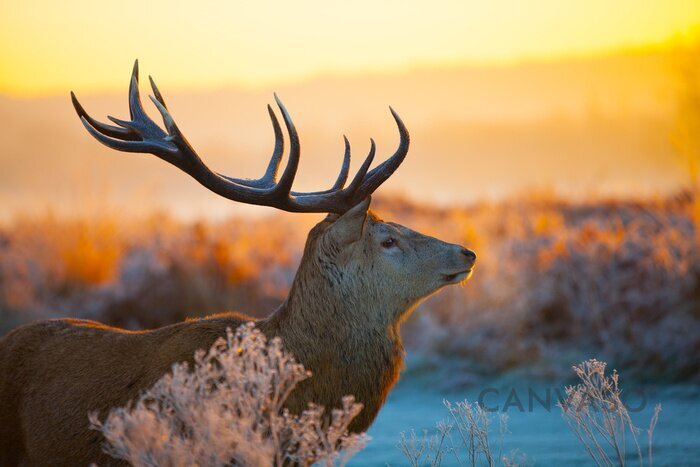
<point>358,278</point>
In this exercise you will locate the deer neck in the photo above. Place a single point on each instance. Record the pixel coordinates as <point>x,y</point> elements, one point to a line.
<point>342,338</point>
<point>315,314</point>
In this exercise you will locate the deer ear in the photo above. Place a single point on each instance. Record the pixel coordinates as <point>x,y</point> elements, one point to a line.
<point>348,227</point>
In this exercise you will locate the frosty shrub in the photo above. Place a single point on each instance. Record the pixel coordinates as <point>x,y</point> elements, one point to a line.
<point>470,425</point>
<point>228,410</point>
<point>599,419</point>
<point>556,280</point>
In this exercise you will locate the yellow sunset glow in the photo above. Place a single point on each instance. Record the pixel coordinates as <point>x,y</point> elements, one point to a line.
<point>50,46</point>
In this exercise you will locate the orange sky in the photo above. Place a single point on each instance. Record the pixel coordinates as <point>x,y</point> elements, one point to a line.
<point>51,46</point>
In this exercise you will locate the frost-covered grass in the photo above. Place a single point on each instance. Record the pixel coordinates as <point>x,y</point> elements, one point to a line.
<point>555,282</point>
<point>465,438</point>
<point>593,409</point>
<point>228,410</point>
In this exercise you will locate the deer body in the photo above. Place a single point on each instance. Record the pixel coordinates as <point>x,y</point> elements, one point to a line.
<point>358,278</point>
<point>109,367</point>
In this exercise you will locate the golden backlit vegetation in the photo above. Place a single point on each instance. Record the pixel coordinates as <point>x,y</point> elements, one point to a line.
<point>90,255</point>
<point>614,279</point>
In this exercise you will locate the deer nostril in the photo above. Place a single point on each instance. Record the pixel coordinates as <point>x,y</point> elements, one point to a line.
<point>469,254</point>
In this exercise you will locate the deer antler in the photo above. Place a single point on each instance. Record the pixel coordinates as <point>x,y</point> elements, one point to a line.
<point>143,135</point>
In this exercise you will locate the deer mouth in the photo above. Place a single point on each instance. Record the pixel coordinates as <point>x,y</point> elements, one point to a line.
<point>457,276</point>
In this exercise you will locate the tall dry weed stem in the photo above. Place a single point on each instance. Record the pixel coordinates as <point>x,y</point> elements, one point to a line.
<point>470,425</point>
<point>598,417</point>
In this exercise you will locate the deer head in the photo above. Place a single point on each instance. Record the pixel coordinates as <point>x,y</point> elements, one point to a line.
<point>360,267</point>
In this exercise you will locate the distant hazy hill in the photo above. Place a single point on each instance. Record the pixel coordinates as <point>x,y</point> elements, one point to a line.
<point>588,125</point>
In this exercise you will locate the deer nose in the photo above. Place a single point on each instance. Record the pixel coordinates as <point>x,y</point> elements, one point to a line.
<point>471,256</point>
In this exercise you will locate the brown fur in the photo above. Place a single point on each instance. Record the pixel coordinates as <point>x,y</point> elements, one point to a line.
<point>340,320</point>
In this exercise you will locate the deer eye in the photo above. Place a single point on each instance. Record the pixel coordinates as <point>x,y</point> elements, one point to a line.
<point>389,242</point>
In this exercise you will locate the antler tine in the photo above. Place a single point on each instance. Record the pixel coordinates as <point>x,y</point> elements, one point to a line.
<point>283,188</point>
<point>135,107</point>
<point>362,171</point>
<point>109,130</point>
<point>344,169</point>
<point>156,92</point>
<point>269,179</point>
<point>170,125</point>
<point>119,145</point>
<point>383,171</point>
<point>274,165</point>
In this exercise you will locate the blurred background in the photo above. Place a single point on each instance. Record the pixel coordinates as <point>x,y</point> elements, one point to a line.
<point>559,140</point>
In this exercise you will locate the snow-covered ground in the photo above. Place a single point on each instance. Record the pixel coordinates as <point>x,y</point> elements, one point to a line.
<point>541,434</point>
